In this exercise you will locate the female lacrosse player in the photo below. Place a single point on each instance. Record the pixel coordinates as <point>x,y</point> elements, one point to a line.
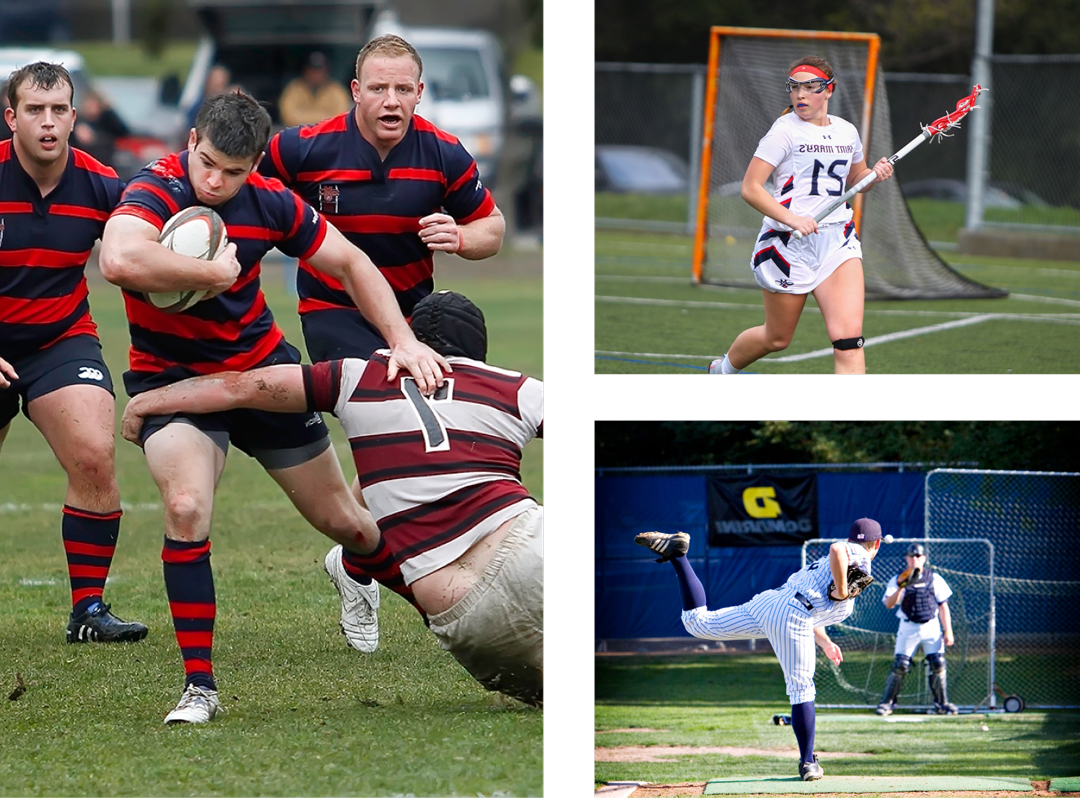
<point>812,158</point>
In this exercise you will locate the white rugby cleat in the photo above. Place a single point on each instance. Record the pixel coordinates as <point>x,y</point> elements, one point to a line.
<point>197,705</point>
<point>359,604</point>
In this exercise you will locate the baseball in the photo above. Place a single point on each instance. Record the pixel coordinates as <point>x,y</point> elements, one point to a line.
<point>888,538</point>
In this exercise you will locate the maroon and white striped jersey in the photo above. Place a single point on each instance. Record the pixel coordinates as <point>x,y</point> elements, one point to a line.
<point>438,473</point>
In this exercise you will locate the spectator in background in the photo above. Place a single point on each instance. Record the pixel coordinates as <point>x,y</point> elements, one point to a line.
<point>97,127</point>
<point>218,81</point>
<point>314,96</point>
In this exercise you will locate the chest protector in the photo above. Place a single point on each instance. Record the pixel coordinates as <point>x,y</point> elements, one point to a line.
<point>919,604</point>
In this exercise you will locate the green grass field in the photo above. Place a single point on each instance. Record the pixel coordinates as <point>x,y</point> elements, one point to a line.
<point>650,319</point>
<point>729,700</point>
<point>305,714</point>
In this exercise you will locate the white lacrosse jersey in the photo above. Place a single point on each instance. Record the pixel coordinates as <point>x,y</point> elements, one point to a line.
<point>813,582</point>
<point>812,165</point>
<point>438,473</point>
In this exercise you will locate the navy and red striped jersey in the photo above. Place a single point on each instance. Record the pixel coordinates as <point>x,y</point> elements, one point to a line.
<point>377,204</point>
<point>44,245</point>
<point>438,473</point>
<point>235,330</point>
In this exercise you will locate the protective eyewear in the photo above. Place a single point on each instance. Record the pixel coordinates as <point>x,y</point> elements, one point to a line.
<point>815,86</point>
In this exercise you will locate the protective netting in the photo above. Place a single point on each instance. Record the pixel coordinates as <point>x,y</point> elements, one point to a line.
<point>867,637</point>
<point>897,261</point>
<point>1033,520</point>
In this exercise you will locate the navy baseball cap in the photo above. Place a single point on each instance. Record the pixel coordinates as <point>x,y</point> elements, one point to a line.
<point>865,529</point>
<point>916,550</point>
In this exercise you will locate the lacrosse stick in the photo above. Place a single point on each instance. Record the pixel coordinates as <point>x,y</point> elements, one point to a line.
<point>936,128</point>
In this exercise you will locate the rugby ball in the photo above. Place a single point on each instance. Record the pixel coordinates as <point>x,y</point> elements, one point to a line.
<point>199,233</point>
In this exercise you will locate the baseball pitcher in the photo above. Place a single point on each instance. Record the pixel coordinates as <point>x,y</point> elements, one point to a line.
<point>792,617</point>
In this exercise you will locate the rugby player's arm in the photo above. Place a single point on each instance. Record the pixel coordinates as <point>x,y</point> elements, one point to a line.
<point>132,258</point>
<point>481,238</point>
<point>338,258</point>
<point>278,389</point>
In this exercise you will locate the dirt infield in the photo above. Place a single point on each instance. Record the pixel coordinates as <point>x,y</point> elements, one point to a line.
<point>689,789</point>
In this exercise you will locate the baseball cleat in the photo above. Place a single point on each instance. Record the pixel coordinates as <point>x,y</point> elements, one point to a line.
<point>884,709</point>
<point>946,709</point>
<point>810,771</point>
<point>667,546</point>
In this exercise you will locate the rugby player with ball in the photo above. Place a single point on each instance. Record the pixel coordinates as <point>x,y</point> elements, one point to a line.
<point>233,330</point>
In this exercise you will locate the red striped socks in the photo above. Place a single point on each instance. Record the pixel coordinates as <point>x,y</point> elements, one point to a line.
<point>89,544</point>
<point>189,584</point>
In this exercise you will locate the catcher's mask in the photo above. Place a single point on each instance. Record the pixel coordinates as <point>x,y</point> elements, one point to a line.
<point>450,324</point>
<point>916,550</point>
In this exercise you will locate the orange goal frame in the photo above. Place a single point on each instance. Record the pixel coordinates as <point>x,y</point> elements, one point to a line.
<point>873,44</point>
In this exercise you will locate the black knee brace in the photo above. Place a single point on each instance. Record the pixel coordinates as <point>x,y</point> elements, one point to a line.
<point>849,343</point>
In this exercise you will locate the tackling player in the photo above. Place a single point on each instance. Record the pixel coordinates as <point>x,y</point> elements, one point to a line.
<point>811,157</point>
<point>792,617</point>
<point>921,597</point>
<point>55,200</point>
<point>234,329</point>
<point>462,539</point>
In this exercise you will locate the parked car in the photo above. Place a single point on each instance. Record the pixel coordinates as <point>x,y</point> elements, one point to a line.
<point>997,195</point>
<point>147,140</point>
<point>645,170</point>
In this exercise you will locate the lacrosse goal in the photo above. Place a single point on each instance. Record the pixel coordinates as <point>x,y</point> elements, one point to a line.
<point>744,95</point>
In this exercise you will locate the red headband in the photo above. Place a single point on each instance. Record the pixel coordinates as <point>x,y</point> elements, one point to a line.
<point>811,70</point>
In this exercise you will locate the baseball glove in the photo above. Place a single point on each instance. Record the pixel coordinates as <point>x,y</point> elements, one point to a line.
<point>908,575</point>
<point>857,581</point>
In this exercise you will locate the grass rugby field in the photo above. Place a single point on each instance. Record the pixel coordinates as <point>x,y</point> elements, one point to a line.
<point>305,714</point>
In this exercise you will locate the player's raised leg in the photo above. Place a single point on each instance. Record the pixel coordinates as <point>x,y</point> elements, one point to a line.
<point>782,312</point>
<point>841,300</point>
<point>730,623</point>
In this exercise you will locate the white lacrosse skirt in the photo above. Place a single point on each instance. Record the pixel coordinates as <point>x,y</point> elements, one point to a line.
<point>783,264</point>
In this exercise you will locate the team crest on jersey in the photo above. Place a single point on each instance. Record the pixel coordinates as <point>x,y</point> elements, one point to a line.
<point>328,198</point>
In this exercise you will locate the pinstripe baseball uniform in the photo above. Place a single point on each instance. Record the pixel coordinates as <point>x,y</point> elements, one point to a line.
<point>787,617</point>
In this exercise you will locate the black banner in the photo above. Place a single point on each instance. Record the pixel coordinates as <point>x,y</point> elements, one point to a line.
<point>762,510</point>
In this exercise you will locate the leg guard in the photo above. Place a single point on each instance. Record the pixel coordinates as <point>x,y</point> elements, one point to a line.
<point>895,680</point>
<point>938,683</point>
<point>849,343</point>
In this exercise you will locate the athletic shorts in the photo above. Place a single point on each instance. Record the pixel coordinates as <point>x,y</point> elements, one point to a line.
<point>70,361</point>
<point>496,631</point>
<point>337,334</point>
<point>783,264</point>
<point>275,440</point>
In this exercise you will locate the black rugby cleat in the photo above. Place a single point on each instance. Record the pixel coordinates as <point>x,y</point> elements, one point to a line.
<point>98,625</point>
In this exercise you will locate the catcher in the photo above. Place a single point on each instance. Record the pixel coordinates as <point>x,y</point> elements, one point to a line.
<point>793,616</point>
<point>923,597</point>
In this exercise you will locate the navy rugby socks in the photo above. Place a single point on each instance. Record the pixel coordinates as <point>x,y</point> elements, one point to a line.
<point>89,544</point>
<point>189,584</point>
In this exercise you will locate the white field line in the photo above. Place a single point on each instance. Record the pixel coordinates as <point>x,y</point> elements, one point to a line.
<point>881,339</point>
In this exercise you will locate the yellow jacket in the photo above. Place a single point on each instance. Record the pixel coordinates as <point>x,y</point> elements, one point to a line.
<point>299,105</point>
